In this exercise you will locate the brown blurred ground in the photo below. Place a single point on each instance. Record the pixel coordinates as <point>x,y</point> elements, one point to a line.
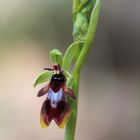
<point>109,89</point>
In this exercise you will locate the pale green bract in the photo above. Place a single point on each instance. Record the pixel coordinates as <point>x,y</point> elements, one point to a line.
<point>70,54</point>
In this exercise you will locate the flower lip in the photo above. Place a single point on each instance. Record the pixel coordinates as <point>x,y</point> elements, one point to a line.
<point>60,114</point>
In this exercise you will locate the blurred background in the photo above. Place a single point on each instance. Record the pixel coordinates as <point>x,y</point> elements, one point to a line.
<point>109,102</point>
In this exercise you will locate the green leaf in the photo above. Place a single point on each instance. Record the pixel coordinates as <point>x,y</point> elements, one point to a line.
<point>70,54</point>
<point>43,77</point>
<point>56,57</point>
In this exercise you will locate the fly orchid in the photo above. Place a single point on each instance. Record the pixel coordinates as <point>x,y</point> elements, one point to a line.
<point>56,106</point>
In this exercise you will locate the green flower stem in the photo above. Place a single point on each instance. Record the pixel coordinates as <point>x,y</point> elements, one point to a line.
<point>71,125</point>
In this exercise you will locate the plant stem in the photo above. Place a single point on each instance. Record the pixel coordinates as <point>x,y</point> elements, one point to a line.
<point>71,125</point>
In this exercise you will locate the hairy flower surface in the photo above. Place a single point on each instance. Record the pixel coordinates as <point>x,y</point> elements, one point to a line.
<point>56,106</point>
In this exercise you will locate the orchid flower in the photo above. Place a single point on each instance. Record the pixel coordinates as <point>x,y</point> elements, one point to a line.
<point>56,106</point>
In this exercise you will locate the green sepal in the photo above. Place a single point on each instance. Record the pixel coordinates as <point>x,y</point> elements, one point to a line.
<point>70,54</point>
<point>69,78</point>
<point>43,77</point>
<point>56,57</point>
<point>69,81</point>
